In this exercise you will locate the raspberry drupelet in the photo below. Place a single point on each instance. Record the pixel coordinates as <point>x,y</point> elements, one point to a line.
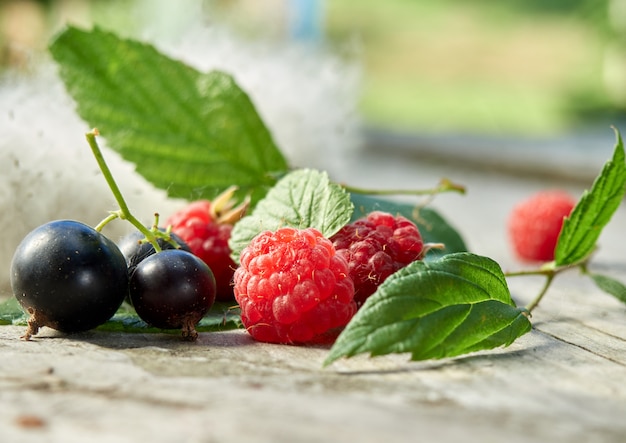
<point>375,247</point>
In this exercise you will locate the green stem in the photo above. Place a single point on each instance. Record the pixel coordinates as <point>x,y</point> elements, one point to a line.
<point>124,212</point>
<point>533,304</point>
<point>529,272</point>
<point>444,186</point>
<point>110,218</point>
<point>549,270</point>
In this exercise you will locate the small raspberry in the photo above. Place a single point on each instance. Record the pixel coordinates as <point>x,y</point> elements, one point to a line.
<point>534,224</point>
<point>206,226</point>
<point>293,288</point>
<point>375,247</point>
<point>199,210</point>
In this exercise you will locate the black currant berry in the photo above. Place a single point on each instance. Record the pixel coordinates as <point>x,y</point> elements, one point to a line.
<point>173,289</point>
<point>68,277</point>
<point>136,250</point>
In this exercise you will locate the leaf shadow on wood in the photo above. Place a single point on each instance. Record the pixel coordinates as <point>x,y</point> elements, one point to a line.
<point>470,362</point>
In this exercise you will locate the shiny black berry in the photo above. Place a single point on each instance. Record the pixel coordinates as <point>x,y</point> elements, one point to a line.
<point>173,289</point>
<point>135,249</point>
<point>68,277</point>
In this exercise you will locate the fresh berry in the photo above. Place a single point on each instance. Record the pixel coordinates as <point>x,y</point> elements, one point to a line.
<point>206,227</point>
<point>197,210</point>
<point>292,287</point>
<point>172,289</point>
<point>135,248</point>
<point>534,224</point>
<point>68,277</point>
<point>375,247</point>
<point>210,243</point>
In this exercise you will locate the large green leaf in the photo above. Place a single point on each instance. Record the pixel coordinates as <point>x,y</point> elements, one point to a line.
<point>432,226</point>
<point>593,211</point>
<point>193,134</point>
<point>304,198</point>
<point>452,306</point>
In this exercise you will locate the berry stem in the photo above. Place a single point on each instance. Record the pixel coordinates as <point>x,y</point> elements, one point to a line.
<point>530,272</point>
<point>549,270</point>
<point>124,212</point>
<point>445,185</point>
<point>112,216</point>
<point>533,304</point>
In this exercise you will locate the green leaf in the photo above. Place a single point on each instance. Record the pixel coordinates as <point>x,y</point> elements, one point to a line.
<point>304,198</point>
<point>12,313</point>
<point>222,316</point>
<point>610,286</point>
<point>190,133</point>
<point>432,226</point>
<point>455,305</point>
<point>593,211</point>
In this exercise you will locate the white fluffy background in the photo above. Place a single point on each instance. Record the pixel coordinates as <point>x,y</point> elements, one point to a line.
<point>307,96</point>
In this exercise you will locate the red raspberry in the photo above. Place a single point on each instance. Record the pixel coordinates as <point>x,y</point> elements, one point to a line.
<point>206,226</point>
<point>199,210</point>
<point>534,224</point>
<point>375,247</point>
<point>293,288</point>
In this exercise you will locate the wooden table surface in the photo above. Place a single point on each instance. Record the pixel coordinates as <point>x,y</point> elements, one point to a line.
<point>563,381</point>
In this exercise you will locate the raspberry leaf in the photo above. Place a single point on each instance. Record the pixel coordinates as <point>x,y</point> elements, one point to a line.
<point>444,308</point>
<point>593,211</point>
<point>611,286</point>
<point>193,134</point>
<point>304,198</point>
<point>432,226</point>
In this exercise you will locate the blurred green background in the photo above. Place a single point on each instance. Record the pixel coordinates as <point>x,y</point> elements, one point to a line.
<point>515,67</point>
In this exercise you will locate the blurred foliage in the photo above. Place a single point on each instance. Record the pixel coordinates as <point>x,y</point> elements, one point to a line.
<point>521,66</point>
<point>486,66</point>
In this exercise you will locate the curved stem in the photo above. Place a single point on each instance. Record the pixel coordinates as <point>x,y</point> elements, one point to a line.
<point>124,212</point>
<point>444,186</point>
<point>549,270</point>
<point>112,216</point>
<point>533,304</point>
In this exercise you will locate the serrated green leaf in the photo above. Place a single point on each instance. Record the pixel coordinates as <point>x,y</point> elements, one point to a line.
<point>455,305</point>
<point>432,226</point>
<point>593,211</point>
<point>190,133</point>
<point>611,286</point>
<point>304,198</point>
